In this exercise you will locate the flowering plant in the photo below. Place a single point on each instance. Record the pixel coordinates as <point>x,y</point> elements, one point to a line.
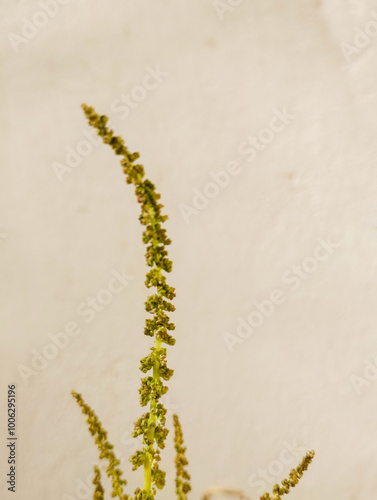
<point>152,424</point>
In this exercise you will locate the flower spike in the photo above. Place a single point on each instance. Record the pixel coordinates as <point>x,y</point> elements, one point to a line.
<point>182,476</point>
<point>294,477</point>
<point>105,448</point>
<point>151,425</point>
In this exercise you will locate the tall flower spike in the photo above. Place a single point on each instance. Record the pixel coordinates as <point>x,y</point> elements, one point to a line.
<point>105,448</point>
<point>151,425</point>
<point>182,485</point>
<point>294,477</point>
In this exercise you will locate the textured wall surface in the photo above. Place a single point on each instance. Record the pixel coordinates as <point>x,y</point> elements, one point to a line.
<point>257,122</point>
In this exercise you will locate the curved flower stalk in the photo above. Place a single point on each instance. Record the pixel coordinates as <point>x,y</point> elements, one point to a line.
<point>182,485</point>
<point>151,425</point>
<point>294,477</point>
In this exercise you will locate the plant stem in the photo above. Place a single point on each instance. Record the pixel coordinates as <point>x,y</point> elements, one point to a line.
<point>147,475</point>
<point>152,423</point>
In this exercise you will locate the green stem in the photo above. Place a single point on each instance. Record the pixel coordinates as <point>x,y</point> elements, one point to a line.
<point>152,424</point>
<point>147,475</point>
<point>153,416</point>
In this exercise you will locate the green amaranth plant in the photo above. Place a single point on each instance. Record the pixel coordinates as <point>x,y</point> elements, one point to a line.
<point>152,424</point>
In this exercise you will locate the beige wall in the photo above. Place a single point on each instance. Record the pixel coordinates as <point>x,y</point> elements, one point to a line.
<point>266,91</point>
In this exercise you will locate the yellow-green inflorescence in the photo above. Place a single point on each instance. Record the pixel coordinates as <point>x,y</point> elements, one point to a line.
<point>151,425</point>
<point>106,451</point>
<point>182,485</point>
<point>294,477</point>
